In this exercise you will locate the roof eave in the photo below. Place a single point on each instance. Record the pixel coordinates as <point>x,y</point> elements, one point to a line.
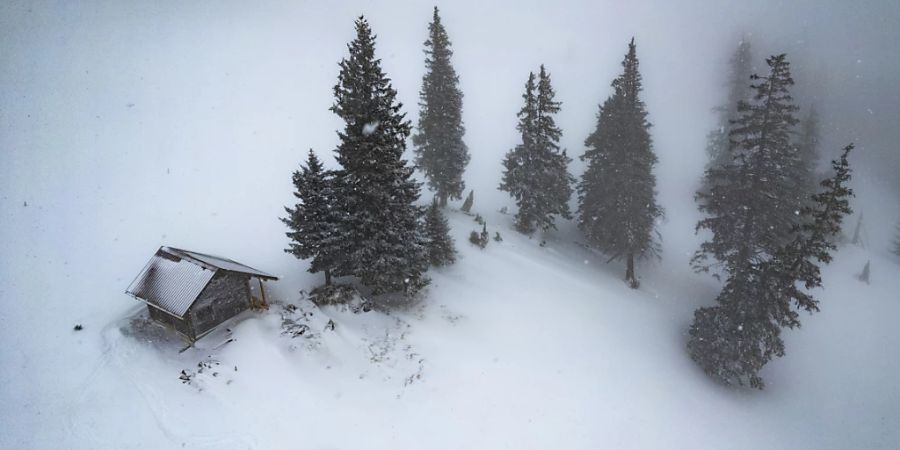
<point>155,306</point>
<point>186,254</point>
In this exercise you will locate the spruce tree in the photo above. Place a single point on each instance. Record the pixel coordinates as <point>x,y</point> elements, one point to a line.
<point>738,90</point>
<point>857,238</point>
<point>536,171</point>
<point>441,251</point>
<point>383,243</point>
<point>439,147</point>
<point>864,275</point>
<point>312,224</point>
<point>808,148</point>
<point>467,204</point>
<point>617,193</point>
<point>733,340</point>
<point>897,241</point>
<point>752,203</point>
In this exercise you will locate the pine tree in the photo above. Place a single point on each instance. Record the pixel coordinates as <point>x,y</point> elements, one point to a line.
<point>752,203</point>
<point>733,340</point>
<point>311,221</point>
<point>467,205</point>
<point>804,171</point>
<point>897,241</point>
<point>439,147</point>
<point>864,275</point>
<point>617,204</point>
<point>384,245</point>
<point>440,245</point>
<point>536,171</point>
<point>741,66</point>
<point>808,148</point>
<point>857,238</point>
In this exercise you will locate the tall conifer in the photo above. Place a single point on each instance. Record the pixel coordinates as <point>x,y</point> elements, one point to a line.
<point>617,193</point>
<point>738,90</point>
<point>312,223</point>
<point>733,340</point>
<point>896,248</point>
<point>536,171</point>
<point>808,140</point>
<point>439,147</point>
<point>383,245</point>
<point>752,203</point>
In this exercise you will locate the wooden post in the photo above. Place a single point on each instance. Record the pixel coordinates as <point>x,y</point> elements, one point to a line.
<point>262,293</point>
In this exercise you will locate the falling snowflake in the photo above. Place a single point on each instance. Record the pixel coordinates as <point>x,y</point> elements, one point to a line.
<point>370,128</point>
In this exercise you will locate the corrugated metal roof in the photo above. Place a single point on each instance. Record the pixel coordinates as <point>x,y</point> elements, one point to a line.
<point>174,278</point>
<point>220,262</point>
<point>169,284</point>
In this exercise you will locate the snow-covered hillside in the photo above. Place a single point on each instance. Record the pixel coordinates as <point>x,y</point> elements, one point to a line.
<point>125,126</point>
<point>515,346</point>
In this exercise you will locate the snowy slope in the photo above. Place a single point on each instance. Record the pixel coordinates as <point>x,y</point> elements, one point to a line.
<point>515,346</point>
<point>128,125</point>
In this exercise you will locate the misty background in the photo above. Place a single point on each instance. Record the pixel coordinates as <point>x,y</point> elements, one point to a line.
<point>132,116</point>
<point>181,122</point>
<point>129,125</point>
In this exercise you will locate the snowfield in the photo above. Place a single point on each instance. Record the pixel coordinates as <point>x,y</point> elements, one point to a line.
<point>516,346</point>
<point>125,126</point>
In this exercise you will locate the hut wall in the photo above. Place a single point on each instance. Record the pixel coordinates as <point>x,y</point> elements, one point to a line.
<point>226,295</point>
<point>181,326</point>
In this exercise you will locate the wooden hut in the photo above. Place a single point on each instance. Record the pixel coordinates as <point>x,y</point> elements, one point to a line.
<point>193,292</point>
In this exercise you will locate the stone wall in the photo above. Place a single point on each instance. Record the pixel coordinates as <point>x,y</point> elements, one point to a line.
<point>181,326</point>
<point>226,295</point>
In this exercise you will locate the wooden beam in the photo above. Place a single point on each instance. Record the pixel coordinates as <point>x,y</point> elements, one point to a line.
<point>262,293</point>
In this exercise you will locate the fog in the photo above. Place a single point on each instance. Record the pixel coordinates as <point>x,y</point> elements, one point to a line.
<point>170,115</point>
<point>129,125</point>
<point>181,123</point>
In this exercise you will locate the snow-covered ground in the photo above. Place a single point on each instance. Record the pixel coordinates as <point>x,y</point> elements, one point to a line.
<point>129,125</point>
<point>515,346</point>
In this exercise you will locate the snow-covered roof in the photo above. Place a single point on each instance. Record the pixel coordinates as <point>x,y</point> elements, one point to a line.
<point>220,263</point>
<point>174,278</point>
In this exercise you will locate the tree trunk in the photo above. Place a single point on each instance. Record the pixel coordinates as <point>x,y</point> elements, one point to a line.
<point>442,200</point>
<point>629,273</point>
<point>327,277</point>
